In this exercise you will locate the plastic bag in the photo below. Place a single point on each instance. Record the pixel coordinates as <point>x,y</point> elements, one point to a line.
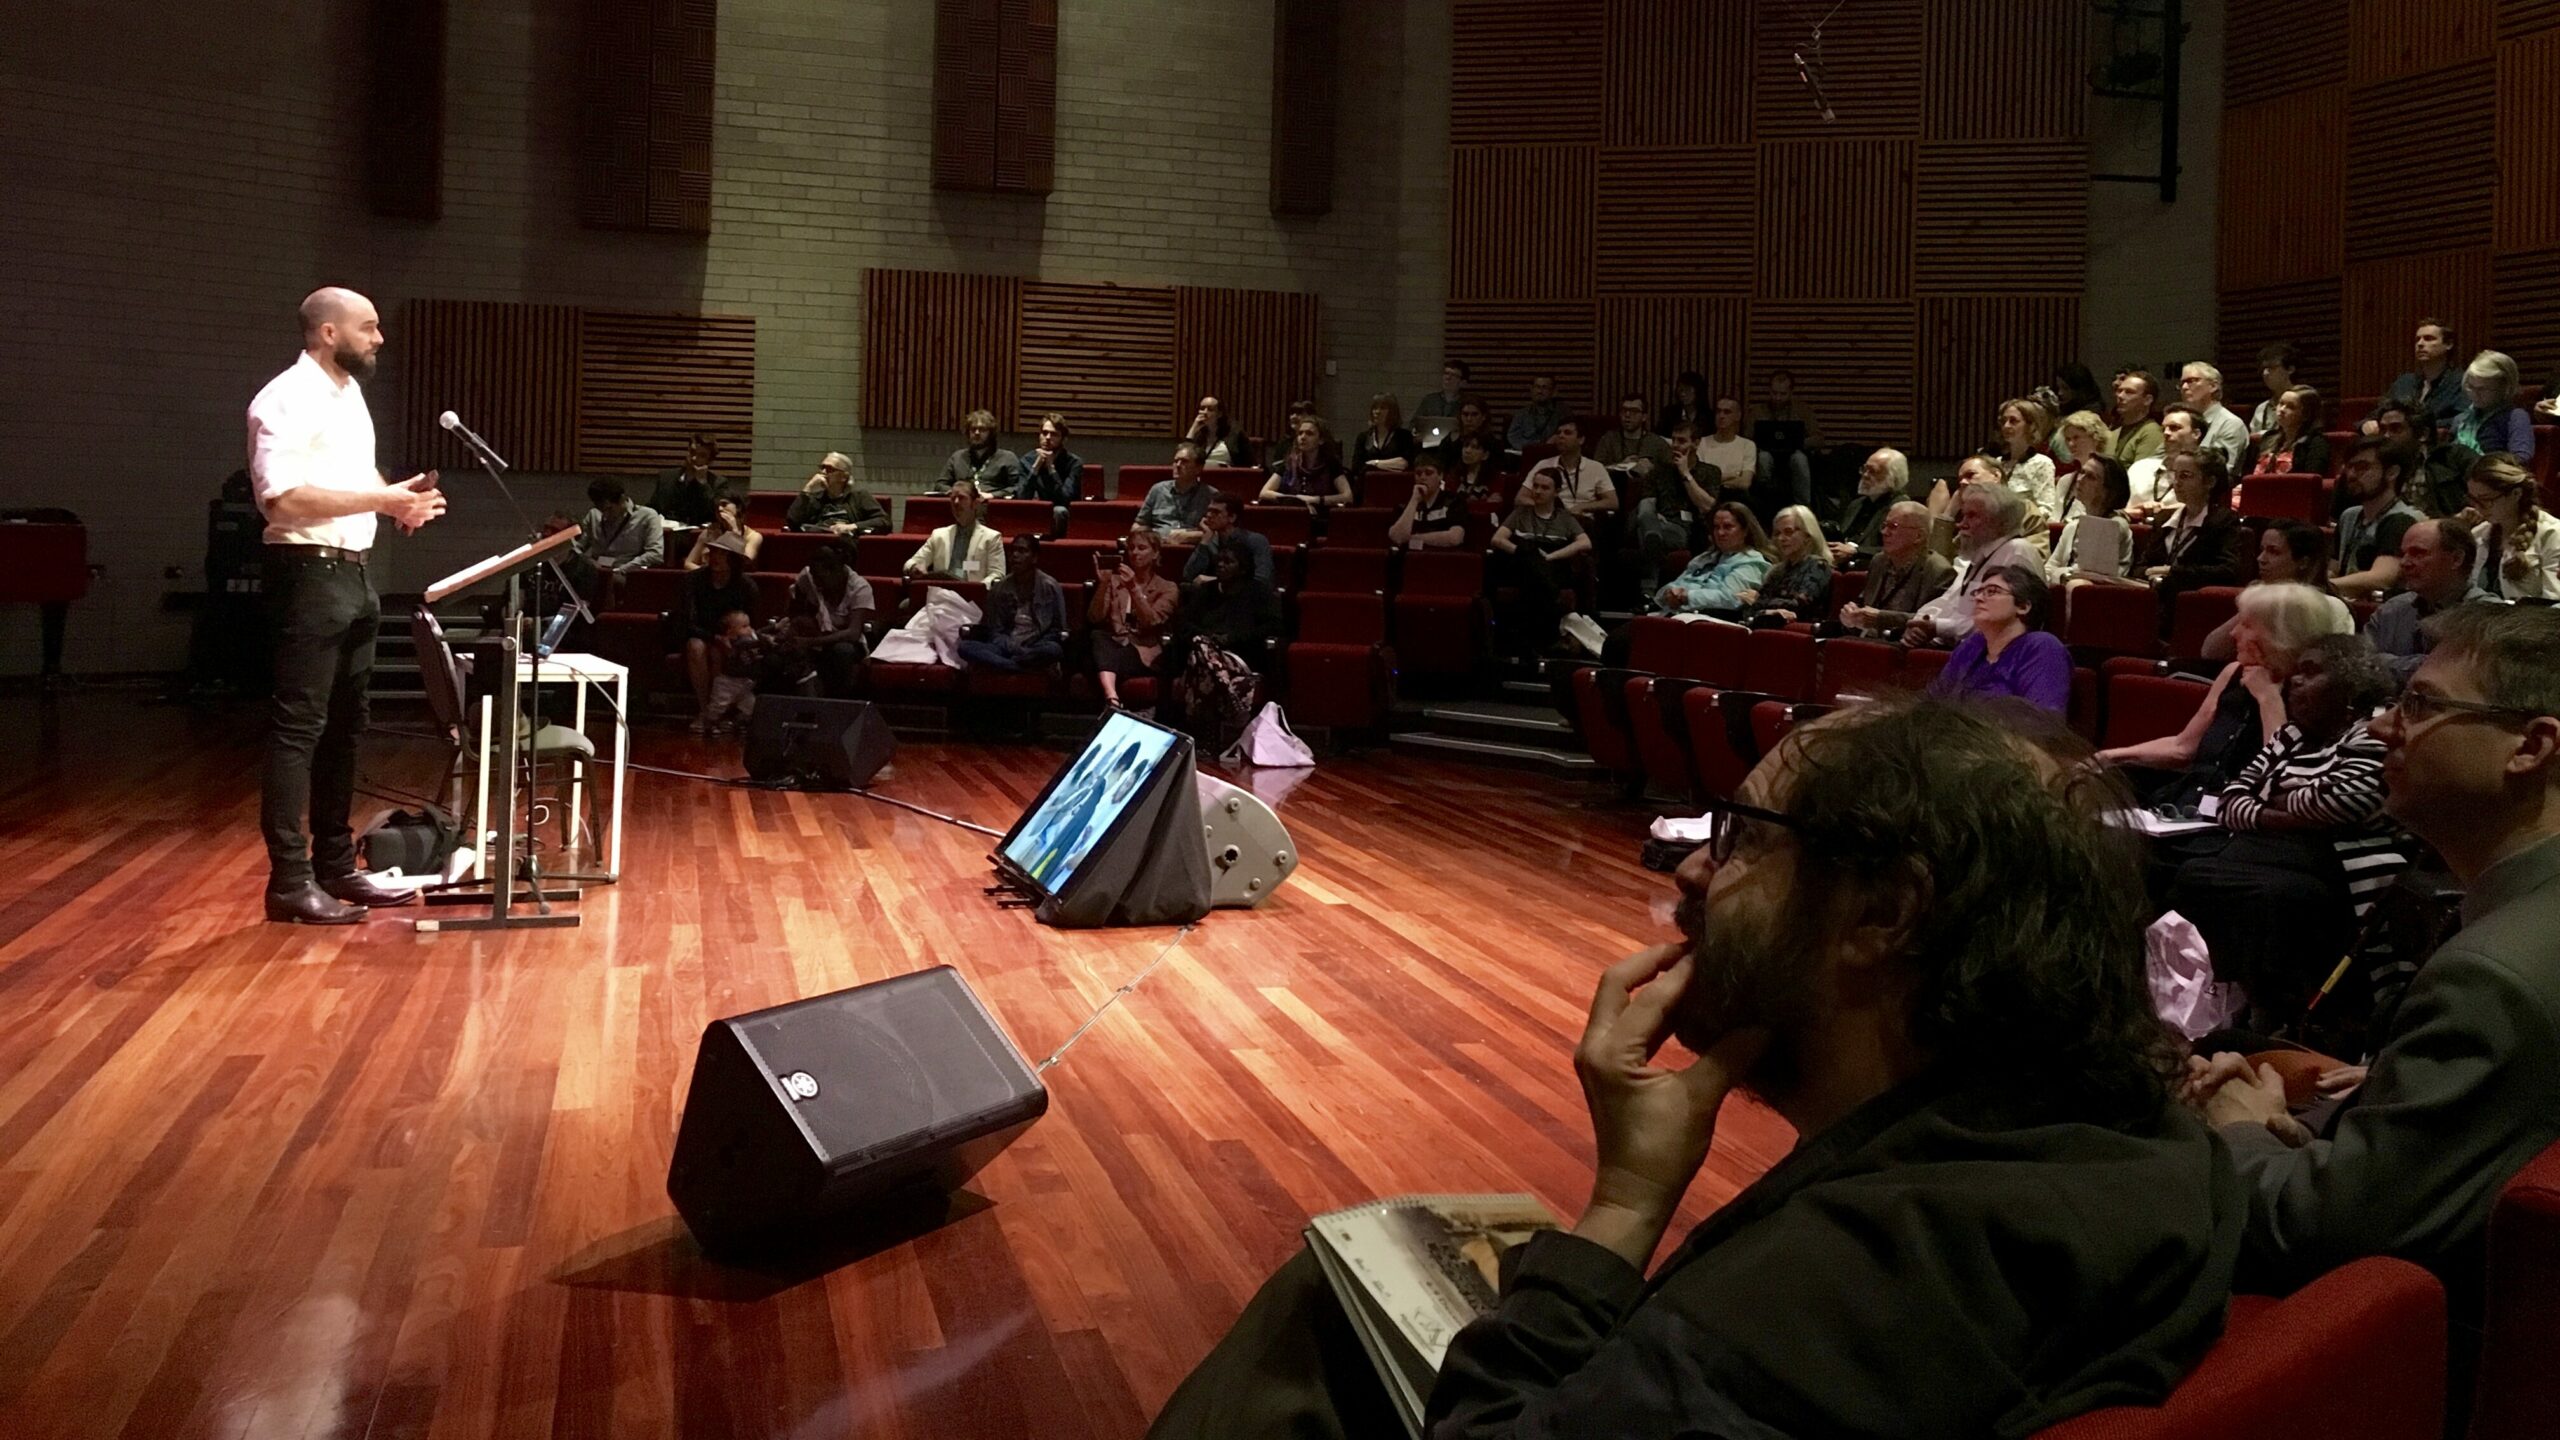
<point>1268,740</point>
<point>2183,990</point>
<point>932,635</point>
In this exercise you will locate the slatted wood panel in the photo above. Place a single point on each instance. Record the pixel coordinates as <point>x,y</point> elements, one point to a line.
<point>995,95</point>
<point>1967,240</point>
<point>1855,362</point>
<point>937,346</point>
<point>2305,313</point>
<point>2276,47</point>
<point>2392,39</point>
<point>1835,219</point>
<point>1970,348</point>
<point>1675,221</point>
<point>1868,68</point>
<point>404,51</point>
<point>2284,186</point>
<point>2419,176</point>
<point>511,372</point>
<point>645,382</point>
<point>2385,299</point>
<point>2517,18</point>
<point>1305,93</point>
<point>1102,354</point>
<point>2528,143</point>
<point>1520,221</point>
<point>2526,289</point>
<point>1525,69</point>
<point>1679,72</point>
<point>1508,342</point>
<point>648,71</point>
<point>1256,350</point>
<point>1646,340</point>
<point>1978,91</point>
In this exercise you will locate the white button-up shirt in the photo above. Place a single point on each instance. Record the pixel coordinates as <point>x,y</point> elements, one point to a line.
<point>308,429</point>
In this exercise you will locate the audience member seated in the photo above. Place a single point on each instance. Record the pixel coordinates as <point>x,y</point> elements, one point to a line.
<point>1688,404</point>
<point>2200,385</point>
<point>2437,558</point>
<point>2464,1087</point>
<point>2519,541</point>
<point>2302,849</point>
<point>963,549</point>
<point>1173,508</point>
<point>831,618</point>
<point>1904,575</point>
<point>2293,443</point>
<point>2434,388</point>
<point>1386,444</point>
<point>1132,610</point>
<point>2181,432</point>
<point>1673,497</point>
<point>2437,485</point>
<point>1535,422</point>
<point>1475,422</point>
<point>2491,422</point>
<point>1220,442</point>
<point>2202,542</point>
<point>1996,1216</point>
<point>1050,471</point>
<point>711,594</point>
<point>1474,475</point>
<point>1883,482</point>
<point>1222,529</point>
<point>1632,450</point>
<point>2026,428</point>
<point>2081,434</point>
<point>2276,364</point>
<point>1538,553</point>
<point>1971,470</point>
<point>2096,543</point>
<point>1434,516</point>
<point>1023,623</point>
<point>2137,434</point>
<point>1733,454</point>
<point>832,503</point>
<point>1781,411</point>
<point>980,461</point>
<point>1724,577</point>
<point>690,494</point>
<point>1442,404</point>
<point>1221,639</point>
<point>737,657</point>
<point>1309,474</point>
<point>2369,529</point>
<point>1582,484</point>
<point>1987,519</point>
<point>616,538</point>
<point>2290,552</point>
<point>2244,706</point>
<point>725,521</point>
<point>1798,585</point>
<point>2073,388</point>
<point>2010,652</point>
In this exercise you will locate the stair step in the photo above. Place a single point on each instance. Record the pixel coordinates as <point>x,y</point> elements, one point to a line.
<point>1497,715</point>
<point>1496,752</point>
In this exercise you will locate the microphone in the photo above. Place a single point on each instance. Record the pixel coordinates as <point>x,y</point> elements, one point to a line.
<point>453,422</point>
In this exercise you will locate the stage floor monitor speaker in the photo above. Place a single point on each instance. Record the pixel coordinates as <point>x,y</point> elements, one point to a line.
<point>801,1115</point>
<point>1249,849</point>
<point>821,744</point>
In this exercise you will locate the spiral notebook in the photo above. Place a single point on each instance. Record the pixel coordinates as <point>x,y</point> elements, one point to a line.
<point>1413,1271</point>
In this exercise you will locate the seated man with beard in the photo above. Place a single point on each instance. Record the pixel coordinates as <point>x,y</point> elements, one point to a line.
<point>1915,938</point>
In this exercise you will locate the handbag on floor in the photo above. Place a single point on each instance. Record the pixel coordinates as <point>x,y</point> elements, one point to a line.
<point>1268,740</point>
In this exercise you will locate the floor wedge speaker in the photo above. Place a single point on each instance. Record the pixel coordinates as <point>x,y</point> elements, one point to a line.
<point>801,1115</point>
<point>822,744</point>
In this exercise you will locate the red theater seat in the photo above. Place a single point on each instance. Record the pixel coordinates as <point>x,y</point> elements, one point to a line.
<point>2147,707</point>
<point>1284,523</point>
<point>1101,519</point>
<point>1333,570</point>
<point>2083,714</point>
<point>790,553</point>
<point>1093,484</point>
<point>1921,666</point>
<point>2518,1394</point>
<point>925,514</point>
<point>1339,676</point>
<point>1608,730</point>
<point>773,593</point>
<point>1134,481</point>
<point>2116,619</point>
<point>1856,667</point>
<point>884,554</point>
<point>1720,739</point>
<point>1359,528</point>
<point>767,510</point>
<point>1780,663</point>
<point>1440,614</point>
<point>1022,517</point>
<point>1242,481</point>
<point>2284,497</point>
<point>658,591</point>
<point>1385,489</point>
<point>2198,613</point>
<point>1655,716</point>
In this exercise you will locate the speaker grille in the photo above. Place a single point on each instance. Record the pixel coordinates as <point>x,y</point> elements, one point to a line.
<point>901,1065</point>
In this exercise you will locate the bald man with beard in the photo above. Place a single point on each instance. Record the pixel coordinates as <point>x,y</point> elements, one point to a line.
<point>311,456</point>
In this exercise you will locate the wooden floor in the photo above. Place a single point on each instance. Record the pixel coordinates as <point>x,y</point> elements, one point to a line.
<point>265,1181</point>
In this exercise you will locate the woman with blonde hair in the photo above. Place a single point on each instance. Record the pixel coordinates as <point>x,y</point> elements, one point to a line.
<point>1798,587</point>
<point>2083,433</point>
<point>2519,540</point>
<point>2026,427</point>
<point>2491,423</point>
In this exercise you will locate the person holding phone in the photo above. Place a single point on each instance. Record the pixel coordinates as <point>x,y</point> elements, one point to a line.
<point>1132,605</point>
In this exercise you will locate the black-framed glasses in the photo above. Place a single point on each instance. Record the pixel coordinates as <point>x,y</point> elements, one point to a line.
<point>2420,706</point>
<point>1726,834</point>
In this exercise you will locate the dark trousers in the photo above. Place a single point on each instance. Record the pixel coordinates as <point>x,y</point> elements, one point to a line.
<point>1003,652</point>
<point>322,615</point>
<point>2275,912</point>
<point>1291,1369</point>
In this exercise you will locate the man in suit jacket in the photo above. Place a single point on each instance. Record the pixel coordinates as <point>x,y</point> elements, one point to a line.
<point>2466,1086</point>
<point>963,549</point>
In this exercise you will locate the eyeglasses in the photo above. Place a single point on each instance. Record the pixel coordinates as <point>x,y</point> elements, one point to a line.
<point>1988,588</point>
<point>1726,836</point>
<point>2419,706</point>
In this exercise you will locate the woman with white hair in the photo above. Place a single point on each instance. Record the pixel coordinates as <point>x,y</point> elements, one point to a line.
<point>1987,520</point>
<point>2491,423</point>
<point>2245,706</point>
<point>1799,586</point>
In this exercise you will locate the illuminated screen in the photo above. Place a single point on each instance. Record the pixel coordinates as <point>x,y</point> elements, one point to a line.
<point>1085,801</point>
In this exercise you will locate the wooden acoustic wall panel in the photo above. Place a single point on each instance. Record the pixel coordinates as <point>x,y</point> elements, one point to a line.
<point>2528,144</point>
<point>995,95</point>
<point>1307,39</point>
<point>1509,342</point>
<point>510,371</point>
<point>1977,90</point>
<point>1100,354</point>
<point>1964,242</point>
<point>2284,185</point>
<point>1675,222</point>
<point>1520,222</point>
<point>1525,70</point>
<point>2393,39</point>
<point>645,382</point>
<point>2525,17</point>
<point>1977,352</point>
<point>2421,177</point>
<point>1256,350</point>
<point>2276,47</point>
<point>936,346</point>
<point>1646,340</point>
<point>2526,296</point>
<point>1854,361</point>
<point>404,130</point>
<point>1679,72</point>
<point>2305,314</point>
<point>1867,63</point>
<point>2385,299</point>
<point>1835,219</point>
<point>648,86</point>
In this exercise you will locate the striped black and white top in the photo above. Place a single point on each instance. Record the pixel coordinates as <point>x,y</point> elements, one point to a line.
<point>2337,786</point>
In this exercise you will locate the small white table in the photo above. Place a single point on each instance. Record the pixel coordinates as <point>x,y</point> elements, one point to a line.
<point>584,671</point>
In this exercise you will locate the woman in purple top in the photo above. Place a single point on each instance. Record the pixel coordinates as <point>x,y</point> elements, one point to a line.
<point>2010,652</point>
<point>1309,474</point>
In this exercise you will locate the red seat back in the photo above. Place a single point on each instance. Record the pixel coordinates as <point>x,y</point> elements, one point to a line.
<point>1136,480</point>
<point>1336,570</point>
<point>2196,614</point>
<point>1242,481</point>
<point>1706,650</point>
<point>1443,572</point>
<point>2118,619</point>
<point>1334,619</point>
<point>925,514</point>
<point>1285,523</point>
<point>1358,527</point>
<point>1919,667</point>
<point>1780,663</point>
<point>767,510</point>
<point>1653,641</point>
<point>2284,497</point>
<point>1021,517</point>
<point>650,592</point>
<point>2146,707</point>
<point>1722,765</point>
<point>790,553</point>
<point>2519,1387</point>
<point>1856,667</point>
<point>1385,489</point>
<point>1770,722</point>
<point>1100,519</point>
<point>884,554</point>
